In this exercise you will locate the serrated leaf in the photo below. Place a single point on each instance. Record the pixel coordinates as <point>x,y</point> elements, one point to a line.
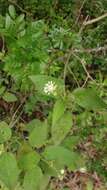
<point>5,132</point>
<point>12,11</point>
<point>38,135</point>
<point>58,111</point>
<point>61,128</point>
<point>88,98</point>
<point>28,161</point>
<point>8,170</point>
<point>32,179</point>
<point>9,97</point>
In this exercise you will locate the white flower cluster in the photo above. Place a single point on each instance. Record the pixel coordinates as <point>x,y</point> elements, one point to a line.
<point>50,88</point>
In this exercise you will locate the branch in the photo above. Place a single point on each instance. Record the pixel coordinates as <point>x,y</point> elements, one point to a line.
<point>95,20</point>
<point>84,1</point>
<point>82,61</point>
<point>89,50</point>
<point>83,50</point>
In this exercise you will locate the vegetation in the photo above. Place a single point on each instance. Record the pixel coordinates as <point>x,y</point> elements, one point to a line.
<point>53,95</point>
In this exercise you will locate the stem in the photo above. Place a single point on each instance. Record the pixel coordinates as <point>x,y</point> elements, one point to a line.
<point>95,20</point>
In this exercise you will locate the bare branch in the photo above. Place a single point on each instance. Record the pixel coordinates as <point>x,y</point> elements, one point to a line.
<point>84,1</point>
<point>91,50</point>
<point>95,20</point>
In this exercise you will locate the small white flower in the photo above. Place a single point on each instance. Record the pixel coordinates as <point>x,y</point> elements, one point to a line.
<point>60,177</point>
<point>61,174</point>
<point>83,170</point>
<point>50,88</point>
<point>62,171</point>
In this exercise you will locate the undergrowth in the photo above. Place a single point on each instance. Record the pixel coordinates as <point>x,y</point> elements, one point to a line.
<point>53,95</point>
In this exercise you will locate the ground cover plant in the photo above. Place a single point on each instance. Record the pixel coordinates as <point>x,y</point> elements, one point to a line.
<point>53,95</point>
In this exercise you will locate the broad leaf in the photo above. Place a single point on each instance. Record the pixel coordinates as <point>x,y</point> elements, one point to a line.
<point>49,168</point>
<point>8,170</point>
<point>70,142</point>
<point>32,179</point>
<point>40,81</point>
<point>61,157</point>
<point>5,132</point>
<point>38,135</point>
<point>9,97</point>
<point>58,110</point>
<point>88,98</point>
<point>32,124</point>
<point>61,128</point>
<point>28,161</point>
<point>44,182</point>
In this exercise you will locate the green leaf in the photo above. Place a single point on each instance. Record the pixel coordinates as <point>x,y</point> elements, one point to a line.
<point>40,82</point>
<point>2,89</point>
<point>9,97</point>
<point>49,168</point>
<point>32,124</point>
<point>44,182</point>
<point>32,179</point>
<point>8,170</point>
<point>28,161</point>
<point>5,132</point>
<point>20,18</point>
<point>58,110</point>
<point>61,157</point>
<point>88,98</point>
<point>70,142</point>
<point>8,21</point>
<point>61,128</point>
<point>12,11</point>
<point>38,135</point>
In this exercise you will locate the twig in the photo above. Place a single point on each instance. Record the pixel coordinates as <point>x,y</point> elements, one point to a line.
<point>3,46</point>
<point>73,76</point>
<point>82,61</point>
<point>55,4</point>
<point>83,26</point>
<point>12,124</point>
<point>89,50</point>
<point>95,20</point>
<point>66,65</point>
<point>83,50</point>
<point>84,1</point>
<point>13,121</point>
<point>85,82</point>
